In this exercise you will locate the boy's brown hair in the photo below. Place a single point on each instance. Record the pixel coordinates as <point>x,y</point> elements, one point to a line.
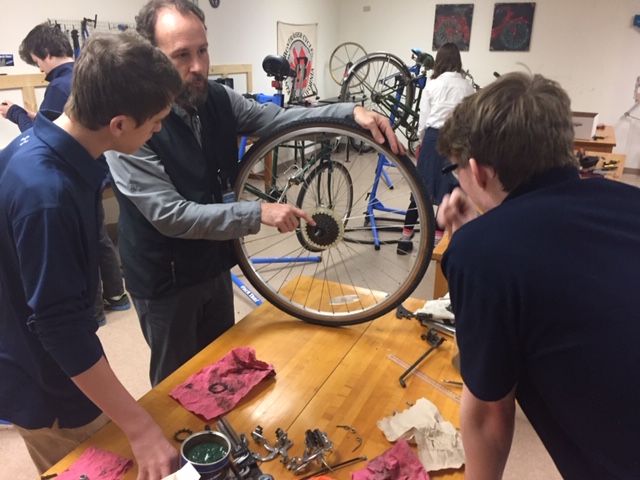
<point>520,125</point>
<point>120,74</point>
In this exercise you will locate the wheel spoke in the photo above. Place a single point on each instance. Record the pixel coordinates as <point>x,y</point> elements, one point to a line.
<point>342,58</point>
<point>345,269</point>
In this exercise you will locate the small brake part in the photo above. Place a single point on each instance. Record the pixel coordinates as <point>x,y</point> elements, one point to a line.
<point>402,312</point>
<point>182,434</point>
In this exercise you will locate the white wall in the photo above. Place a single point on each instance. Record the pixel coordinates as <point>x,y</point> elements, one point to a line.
<point>239,31</point>
<point>244,31</point>
<point>23,16</point>
<point>589,46</point>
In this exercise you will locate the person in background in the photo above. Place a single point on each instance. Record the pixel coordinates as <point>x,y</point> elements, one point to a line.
<point>174,230</point>
<point>446,89</point>
<point>48,48</point>
<point>111,293</point>
<point>543,284</point>
<point>56,381</point>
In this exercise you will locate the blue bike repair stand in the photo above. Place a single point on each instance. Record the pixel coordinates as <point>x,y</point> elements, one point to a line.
<point>252,296</point>
<point>375,203</point>
<point>260,98</point>
<point>422,59</point>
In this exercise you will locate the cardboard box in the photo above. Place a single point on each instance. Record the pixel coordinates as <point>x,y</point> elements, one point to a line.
<point>584,124</point>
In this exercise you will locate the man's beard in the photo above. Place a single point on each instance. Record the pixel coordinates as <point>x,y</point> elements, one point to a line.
<point>193,96</point>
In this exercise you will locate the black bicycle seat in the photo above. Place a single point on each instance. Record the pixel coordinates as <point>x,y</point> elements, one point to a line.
<point>277,66</point>
<point>426,60</point>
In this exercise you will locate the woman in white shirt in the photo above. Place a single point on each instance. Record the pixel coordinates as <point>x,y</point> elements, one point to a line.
<point>441,94</point>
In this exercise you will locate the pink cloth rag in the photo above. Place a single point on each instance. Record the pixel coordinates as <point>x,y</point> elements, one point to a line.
<point>97,464</point>
<point>397,463</point>
<point>216,389</point>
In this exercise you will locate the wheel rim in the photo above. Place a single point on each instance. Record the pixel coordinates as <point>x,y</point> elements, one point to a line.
<point>342,59</point>
<point>340,278</point>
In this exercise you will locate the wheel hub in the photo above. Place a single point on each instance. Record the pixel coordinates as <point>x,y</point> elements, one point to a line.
<point>328,231</point>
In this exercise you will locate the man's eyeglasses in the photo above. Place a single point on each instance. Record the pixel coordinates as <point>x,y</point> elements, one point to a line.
<point>451,171</point>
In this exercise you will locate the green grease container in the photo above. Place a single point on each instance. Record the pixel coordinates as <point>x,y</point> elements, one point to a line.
<point>206,453</point>
<point>209,453</point>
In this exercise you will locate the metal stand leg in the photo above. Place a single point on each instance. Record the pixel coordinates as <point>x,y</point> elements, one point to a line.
<point>254,298</point>
<point>435,341</point>
<point>375,204</point>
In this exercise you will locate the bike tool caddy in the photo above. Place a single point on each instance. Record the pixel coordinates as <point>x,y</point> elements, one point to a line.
<point>437,317</point>
<point>209,452</point>
<point>218,455</point>
<point>225,455</point>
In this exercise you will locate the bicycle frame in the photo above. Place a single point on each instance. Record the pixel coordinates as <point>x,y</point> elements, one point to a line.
<point>388,92</point>
<point>419,80</point>
<point>277,195</point>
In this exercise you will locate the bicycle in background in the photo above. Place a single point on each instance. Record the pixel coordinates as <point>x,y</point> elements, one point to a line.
<point>385,84</point>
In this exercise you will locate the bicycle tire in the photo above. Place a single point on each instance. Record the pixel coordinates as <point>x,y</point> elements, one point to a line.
<point>327,186</point>
<point>347,282</point>
<point>342,59</point>
<point>375,81</point>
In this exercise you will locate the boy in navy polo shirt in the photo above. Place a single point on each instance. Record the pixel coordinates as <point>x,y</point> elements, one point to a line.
<point>543,285</point>
<point>56,381</point>
<point>49,49</point>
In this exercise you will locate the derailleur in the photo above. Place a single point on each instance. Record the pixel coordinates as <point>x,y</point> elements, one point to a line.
<point>317,445</point>
<point>281,446</point>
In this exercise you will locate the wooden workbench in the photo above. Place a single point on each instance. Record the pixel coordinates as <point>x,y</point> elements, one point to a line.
<point>602,145</point>
<point>440,287</point>
<point>620,158</point>
<point>325,377</point>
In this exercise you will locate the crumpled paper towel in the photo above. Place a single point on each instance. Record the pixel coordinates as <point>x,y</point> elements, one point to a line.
<point>397,463</point>
<point>438,308</point>
<point>216,389</point>
<point>439,443</point>
<point>96,463</point>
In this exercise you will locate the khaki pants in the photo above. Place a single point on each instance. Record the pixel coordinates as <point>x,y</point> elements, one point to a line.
<point>47,446</point>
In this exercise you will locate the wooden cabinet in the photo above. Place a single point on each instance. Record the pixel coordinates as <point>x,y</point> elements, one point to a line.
<point>602,145</point>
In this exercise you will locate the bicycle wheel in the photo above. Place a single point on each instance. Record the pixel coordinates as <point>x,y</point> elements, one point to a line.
<point>342,58</point>
<point>345,270</point>
<point>328,187</point>
<point>380,82</point>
